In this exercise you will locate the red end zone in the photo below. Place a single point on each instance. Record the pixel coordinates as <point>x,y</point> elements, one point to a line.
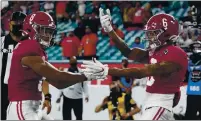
<point>104,82</point>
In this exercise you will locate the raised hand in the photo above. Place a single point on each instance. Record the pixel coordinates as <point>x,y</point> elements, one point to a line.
<point>105,20</point>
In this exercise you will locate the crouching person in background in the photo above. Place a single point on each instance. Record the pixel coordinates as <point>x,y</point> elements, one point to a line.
<point>119,104</point>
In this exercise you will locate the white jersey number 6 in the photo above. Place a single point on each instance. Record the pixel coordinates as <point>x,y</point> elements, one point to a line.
<point>165,24</point>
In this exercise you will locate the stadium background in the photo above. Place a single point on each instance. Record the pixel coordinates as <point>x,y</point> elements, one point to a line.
<point>111,56</point>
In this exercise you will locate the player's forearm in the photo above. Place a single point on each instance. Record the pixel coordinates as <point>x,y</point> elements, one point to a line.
<point>137,54</point>
<point>157,69</point>
<point>59,79</point>
<point>121,45</point>
<point>65,79</point>
<point>45,87</point>
<point>128,72</point>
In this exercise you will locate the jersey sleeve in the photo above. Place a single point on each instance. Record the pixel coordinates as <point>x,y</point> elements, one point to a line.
<point>27,48</point>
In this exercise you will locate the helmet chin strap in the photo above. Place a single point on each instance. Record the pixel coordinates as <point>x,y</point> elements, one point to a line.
<point>153,46</point>
<point>44,43</point>
<point>152,49</point>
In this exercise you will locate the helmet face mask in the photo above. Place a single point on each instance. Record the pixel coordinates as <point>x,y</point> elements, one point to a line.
<point>152,37</point>
<point>40,26</point>
<point>44,34</point>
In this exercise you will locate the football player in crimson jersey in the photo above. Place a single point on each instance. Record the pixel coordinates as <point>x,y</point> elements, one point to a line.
<point>166,64</point>
<point>28,66</point>
<point>29,34</point>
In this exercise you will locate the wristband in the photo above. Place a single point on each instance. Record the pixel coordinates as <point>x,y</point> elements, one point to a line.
<point>48,97</point>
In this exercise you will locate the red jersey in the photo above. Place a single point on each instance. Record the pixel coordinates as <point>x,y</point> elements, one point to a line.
<point>168,84</point>
<point>23,81</point>
<point>70,46</point>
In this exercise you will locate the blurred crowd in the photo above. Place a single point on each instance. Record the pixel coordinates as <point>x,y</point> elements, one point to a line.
<point>82,41</point>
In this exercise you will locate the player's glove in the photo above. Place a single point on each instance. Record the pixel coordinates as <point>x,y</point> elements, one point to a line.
<point>105,20</point>
<point>95,69</point>
<point>92,76</point>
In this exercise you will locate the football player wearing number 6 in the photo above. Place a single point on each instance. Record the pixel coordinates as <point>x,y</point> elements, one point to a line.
<point>166,64</point>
